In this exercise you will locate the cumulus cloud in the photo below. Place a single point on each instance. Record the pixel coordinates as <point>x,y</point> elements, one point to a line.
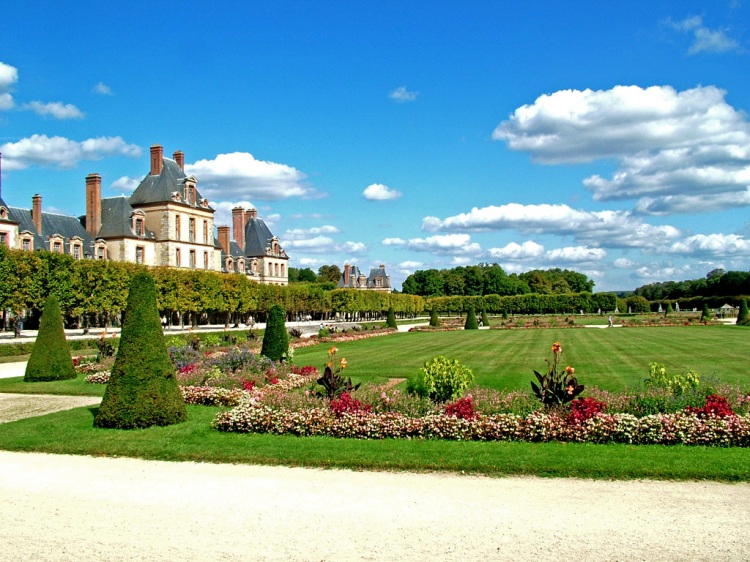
<point>8,77</point>
<point>534,254</point>
<point>304,233</point>
<point>610,229</point>
<point>712,246</point>
<point>125,184</point>
<point>59,152</point>
<point>241,175</point>
<point>410,265</point>
<point>402,95</point>
<point>670,146</point>
<point>439,244</point>
<point>624,263</point>
<point>56,109</point>
<point>515,251</point>
<point>705,40</point>
<point>324,244</point>
<point>380,192</point>
<point>102,89</point>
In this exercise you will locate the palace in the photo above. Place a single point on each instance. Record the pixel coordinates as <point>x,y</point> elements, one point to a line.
<point>353,278</point>
<point>165,222</point>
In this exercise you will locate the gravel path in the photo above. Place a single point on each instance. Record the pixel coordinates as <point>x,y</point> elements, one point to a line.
<point>57,507</point>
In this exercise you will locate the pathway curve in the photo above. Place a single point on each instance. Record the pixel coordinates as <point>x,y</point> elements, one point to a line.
<point>59,507</point>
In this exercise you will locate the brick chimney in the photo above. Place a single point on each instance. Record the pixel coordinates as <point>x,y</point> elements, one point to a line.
<point>251,213</point>
<point>36,213</point>
<point>346,275</point>
<point>157,153</point>
<point>224,239</point>
<point>179,157</point>
<point>93,204</point>
<point>238,226</point>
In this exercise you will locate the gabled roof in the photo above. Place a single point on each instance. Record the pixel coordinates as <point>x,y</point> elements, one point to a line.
<point>117,219</point>
<point>258,239</point>
<point>159,188</point>
<point>66,226</point>
<point>376,272</point>
<point>354,275</point>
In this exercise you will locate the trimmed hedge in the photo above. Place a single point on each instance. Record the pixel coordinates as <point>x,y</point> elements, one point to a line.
<point>276,339</point>
<point>743,318</point>
<point>471,320</point>
<point>50,356</point>
<point>142,390</point>
<point>391,321</point>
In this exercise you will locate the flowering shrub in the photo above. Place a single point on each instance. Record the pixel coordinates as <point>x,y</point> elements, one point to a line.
<point>99,377</point>
<point>441,379</point>
<point>346,404</point>
<point>676,384</point>
<point>716,406</point>
<point>583,409</point>
<point>332,382</point>
<point>463,408</point>
<point>557,386</point>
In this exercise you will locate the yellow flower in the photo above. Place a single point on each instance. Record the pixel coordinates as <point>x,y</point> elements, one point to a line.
<point>333,350</point>
<point>330,364</point>
<point>342,362</point>
<point>570,370</point>
<point>556,347</point>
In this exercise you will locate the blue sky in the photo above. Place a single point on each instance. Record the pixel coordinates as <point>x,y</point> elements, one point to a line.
<point>608,138</point>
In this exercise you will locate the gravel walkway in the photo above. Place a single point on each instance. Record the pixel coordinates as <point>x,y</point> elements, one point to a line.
<point>83,508</point>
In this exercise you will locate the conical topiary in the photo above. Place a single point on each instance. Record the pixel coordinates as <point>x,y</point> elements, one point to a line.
<point>743,318</point>
<point>705,315</point>
<point>275,340</point>
<point>434,320</point>
<point>391,320</point>
<point>669,309</point>
<point>485,318</point>
<point>471,320</point>
<point>50,357</point>
<point>142,389</point>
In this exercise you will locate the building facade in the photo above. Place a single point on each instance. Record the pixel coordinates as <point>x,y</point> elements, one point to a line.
<point>353,278</point>
<point>165,222</point>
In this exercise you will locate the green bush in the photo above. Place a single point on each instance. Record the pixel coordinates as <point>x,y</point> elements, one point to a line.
<point>441,379</point>
<point>434,320</point>
<point>676,384</point>
<point>50,357</point>
<point>275,340</point>
<point>485,318</point>
<point>706,314</point>
<point>743,318</point>
<point>471,320</point>
<point>142,390</point>
<point>391,321</point>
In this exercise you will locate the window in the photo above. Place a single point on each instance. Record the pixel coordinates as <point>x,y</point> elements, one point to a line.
<point>192,259</point>
<point>140,229</point>
<point>3,239</point>
<point>57,247</point>
<point>27,244</point>
<point>276,269</point>
<point>205,232</point>
<point>178,257</point>
<point>282,270</point>
<point>76,252</point>
<point>191,230</point>
<point>270,269</point>
<point>230,264</point>
<point>241,266</point>
<point>177,227</point>
<point>101,252</point>
<point>205,260</point>
<point>139,251</point>
<point>3,213</point>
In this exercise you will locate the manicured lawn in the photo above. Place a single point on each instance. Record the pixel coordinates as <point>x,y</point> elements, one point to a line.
<point>72,432</point>
<point>71,387</point>
<point>505,359</point>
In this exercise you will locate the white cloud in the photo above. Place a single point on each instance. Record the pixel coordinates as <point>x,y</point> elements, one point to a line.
<point>8,77</point>
<point>410,265</point>
<point>438,244</point>
<point>355,247</point>
<point>303,233</point>
<point>56,109</point>
<point>611,229</point>
<point>125,184</point>
<point>624,263</point>
<point>59,152</point>
<point>712,245</point>
<point>102,89</point>
<point>705,40</point>
<point>515,251</point>
<point>670,146</point>
<point>323,244</point>
<point>311,262</point>
<point>6,102</point>
<point>402,95</point>
<point>240,175</point>
<point>380,192</point>
<point>576,254</point>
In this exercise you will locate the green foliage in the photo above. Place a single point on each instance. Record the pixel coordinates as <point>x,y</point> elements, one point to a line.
<point>706,314</point>
<point>676,384</point>
<point>434,320</point>
<point>485,318</point>
<point>441,379</point>
<point>142,389</point>
<point>558,386</point>
<point>471,320</point>
<point>743,318</point>
<point>50,357</point>
<point>391,320</point>
<point>505,314</point>
<point>669,310</point>
<point>276,339</point>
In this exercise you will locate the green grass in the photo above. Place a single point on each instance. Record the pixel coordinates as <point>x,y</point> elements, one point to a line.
<point>72,432</point>
<point>505,359</point>
<point>71,387</point>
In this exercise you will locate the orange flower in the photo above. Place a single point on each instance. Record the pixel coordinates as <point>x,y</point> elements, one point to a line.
<point>333,350</point>
<point>342,362</point>
<point>570,370</point>
<point>556,347</point>
<point>330,364</point>
<point>570,390</point>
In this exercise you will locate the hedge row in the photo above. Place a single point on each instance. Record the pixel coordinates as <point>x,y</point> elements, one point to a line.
<point>565,303</point>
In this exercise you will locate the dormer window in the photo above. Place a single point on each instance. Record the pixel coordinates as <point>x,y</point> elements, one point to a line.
<point>204,202</point>
<point>139,227</point>
<point>176,196</point>
<point>56,244</point>
<point>27,241</point>
<point>230,264</point>
<point>241,265</point>
<point>3,213</point>
<point>101,250</point>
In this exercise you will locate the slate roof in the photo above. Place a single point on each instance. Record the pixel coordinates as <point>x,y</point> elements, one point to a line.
<point>66,226</point>
<point>258,239</point>
<point>378,272</point>
<point>117,220</point>
<point>159,189</point>
<point>354,275</point>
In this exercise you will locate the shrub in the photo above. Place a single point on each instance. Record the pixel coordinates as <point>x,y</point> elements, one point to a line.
<point>275,339</point>
<point>706,314</point>
<point>142,389</point>
<point>434,320</point>
<point>716,406</point>
<point>391,320</point>
<point>558,386</point>
<point>743,318</point>
<point>485,318</point>
<point>471,320</point>
<point>441,379</point>
<point>583,409</point>
<point>463,409</point>
<point>50,357</point>
<point>346,404</point>
<point>676,384</point>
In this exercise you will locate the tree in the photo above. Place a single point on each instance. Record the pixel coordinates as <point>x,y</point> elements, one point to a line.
<point>743,318</point>
<point>706,314</point>
<point>391,319</point>
<point>50,357</point>
<point>434,320</point>
<point>485,318</point>
<point>275,339</point>
<point>471,320</point>
<point>330,273</point>
<point>142,390</point>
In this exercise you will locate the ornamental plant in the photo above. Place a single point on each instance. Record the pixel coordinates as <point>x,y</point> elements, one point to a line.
<point>485,318</point>
<point>743,318</point>
<point>332,381</point>
<point>716,406</point>
<point>346,404</point>
<point>558,386</point>
<point>275,340</point>
<point>434,320</point>
<point>463,408</point>
<point>391,319</point>
<point>471,320</point>
<point>676,384</point>
<point>142,390</point>
<point>582,409</point>
<point>441,379</point>
<point>706,314</point>
<point>50,357</point>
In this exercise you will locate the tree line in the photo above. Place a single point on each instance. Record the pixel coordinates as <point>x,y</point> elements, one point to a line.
<point>531,303</point>
<point>717,283</point>
<point>491,279</point>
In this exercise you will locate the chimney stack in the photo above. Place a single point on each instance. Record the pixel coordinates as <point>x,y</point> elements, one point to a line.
<point>36,213</point>
<point>179,157</point>
<point>251,213</point>
<point>238,226</point>
<point>157,153</point>
<point>224,239</point>
<point>93,204</point>
<point>346,275</point>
